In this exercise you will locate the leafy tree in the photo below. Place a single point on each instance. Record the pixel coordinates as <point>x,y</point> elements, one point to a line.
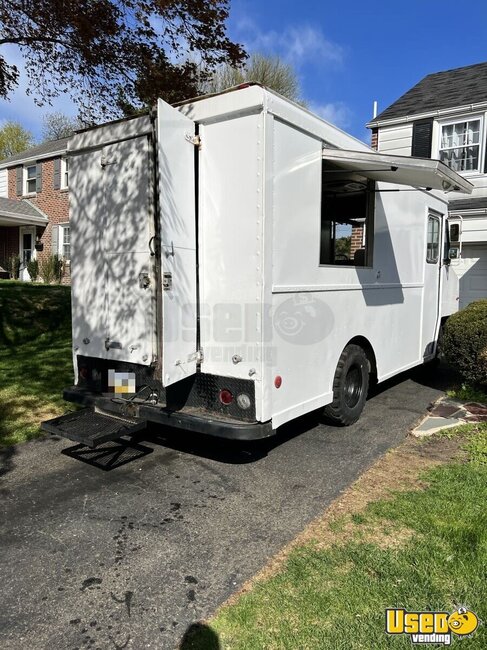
<point>14,139</point>
<point>58,125</point>
<point>343,246</point>
<point>110,54</point>
<point>271,71</point>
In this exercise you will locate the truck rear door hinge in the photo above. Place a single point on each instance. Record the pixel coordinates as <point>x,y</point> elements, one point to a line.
<point>194,139</point>
<point>197,356</point>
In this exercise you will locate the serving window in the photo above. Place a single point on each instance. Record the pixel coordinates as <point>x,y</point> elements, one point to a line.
<point>347,218</point>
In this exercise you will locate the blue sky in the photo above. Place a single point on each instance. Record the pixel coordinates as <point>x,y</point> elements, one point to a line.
<point>347,54</point>
<point>354,52</point>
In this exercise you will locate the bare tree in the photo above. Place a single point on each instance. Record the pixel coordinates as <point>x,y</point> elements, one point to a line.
<point>270,71</point>
<point>58,125</point>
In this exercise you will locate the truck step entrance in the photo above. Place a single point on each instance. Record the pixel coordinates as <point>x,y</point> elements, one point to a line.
<point>91,428</point>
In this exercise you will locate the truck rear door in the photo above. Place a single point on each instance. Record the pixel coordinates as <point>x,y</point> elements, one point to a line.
<point>128,230</point>
<point>177,151</point>
<point>113,284</point>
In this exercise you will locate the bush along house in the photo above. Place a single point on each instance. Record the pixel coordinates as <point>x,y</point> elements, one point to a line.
<point>444,116</point>
<point>34,213</point>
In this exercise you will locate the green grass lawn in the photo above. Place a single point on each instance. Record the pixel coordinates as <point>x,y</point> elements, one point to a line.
<point>421,549</point>
<point>35,356</point>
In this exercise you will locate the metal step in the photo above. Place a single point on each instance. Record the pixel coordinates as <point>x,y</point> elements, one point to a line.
<point>89,427</point>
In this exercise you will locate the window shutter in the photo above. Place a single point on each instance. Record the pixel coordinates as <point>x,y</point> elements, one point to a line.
<point>39,177</point>
<point>57,173</point>
<point>55,240</point>
<point>422,138</point>
<point>20,174</point>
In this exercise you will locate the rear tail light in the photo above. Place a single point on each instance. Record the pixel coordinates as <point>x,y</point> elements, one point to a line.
<point>226,397</point>
<point>83,372</point>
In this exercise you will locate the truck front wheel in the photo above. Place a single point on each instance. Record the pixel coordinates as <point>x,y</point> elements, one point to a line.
<point>350,387</point>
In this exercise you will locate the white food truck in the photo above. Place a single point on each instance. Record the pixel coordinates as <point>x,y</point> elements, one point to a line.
<point>238,262</point>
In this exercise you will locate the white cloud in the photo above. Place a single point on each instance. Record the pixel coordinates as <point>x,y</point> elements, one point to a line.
<point>307,43</point>
<point>302,46</point>
<point>298,45</point>
<point>336,113</point>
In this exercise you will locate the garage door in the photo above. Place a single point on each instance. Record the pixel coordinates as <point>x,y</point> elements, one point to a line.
<point>473,280</point>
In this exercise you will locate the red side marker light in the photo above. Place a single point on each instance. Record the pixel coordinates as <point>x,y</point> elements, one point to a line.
<point>278,381</point>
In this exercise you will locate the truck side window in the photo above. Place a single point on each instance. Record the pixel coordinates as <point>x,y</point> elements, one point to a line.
<point>347,206</point>
<point>433,240</point>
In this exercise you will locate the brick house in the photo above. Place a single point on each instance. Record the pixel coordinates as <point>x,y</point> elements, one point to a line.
<point>444,116</point>
<point>34,206</point>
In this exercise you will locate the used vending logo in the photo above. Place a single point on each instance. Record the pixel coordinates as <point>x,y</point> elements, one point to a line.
<point>121,382</point>
<point>431,627</point>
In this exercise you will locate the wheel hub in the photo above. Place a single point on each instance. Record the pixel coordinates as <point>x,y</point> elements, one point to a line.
<point>353,386</point>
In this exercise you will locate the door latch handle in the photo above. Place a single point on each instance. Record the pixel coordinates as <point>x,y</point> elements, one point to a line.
<point>112,345</point>
<point>171,252</point>
<point>144,280</point>
<point>104,161</point>
<point>167,281</point>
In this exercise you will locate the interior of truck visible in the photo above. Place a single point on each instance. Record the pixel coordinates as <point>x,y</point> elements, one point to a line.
<point>347,202</point>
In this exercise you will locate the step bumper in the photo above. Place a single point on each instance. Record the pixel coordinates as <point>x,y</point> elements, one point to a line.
<point>91,428</point>
<point>195,420</point>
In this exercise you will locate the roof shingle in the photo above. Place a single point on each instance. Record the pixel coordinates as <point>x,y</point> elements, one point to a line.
<point>20,208</point>
<point>42,150</point>
<point>457,87</point>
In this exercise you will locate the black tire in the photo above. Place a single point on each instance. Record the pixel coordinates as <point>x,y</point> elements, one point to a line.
<point>350,387</point>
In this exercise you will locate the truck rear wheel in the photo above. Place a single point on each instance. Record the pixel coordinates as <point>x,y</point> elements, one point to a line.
<point>350,387</point>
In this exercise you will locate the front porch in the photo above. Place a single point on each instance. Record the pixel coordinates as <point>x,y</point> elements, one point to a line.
<point>21,225</point>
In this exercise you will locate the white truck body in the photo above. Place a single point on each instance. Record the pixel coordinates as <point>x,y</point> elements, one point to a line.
<point>202,248</point>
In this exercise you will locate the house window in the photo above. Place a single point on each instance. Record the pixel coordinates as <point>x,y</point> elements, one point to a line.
<point>347,211</point>
<point>460,145</point>
<point>433,240</point>
<point>30,172</point>
<point>64,173</point>
<point>64,242</point>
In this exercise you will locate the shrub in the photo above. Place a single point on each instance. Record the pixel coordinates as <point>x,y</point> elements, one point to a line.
<point>5,265</point>
<point>13,266</point>
<point>464,342</point>
<point>51,269</point>
<point>33,269</point>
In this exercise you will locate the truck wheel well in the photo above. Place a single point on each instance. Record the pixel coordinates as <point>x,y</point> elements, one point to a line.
<point>369,351</point>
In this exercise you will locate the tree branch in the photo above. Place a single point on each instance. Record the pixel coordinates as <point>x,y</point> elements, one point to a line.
<point>29,40</point>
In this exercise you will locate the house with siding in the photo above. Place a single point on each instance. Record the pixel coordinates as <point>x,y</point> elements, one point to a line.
<point>34,206</point>
<point>444,116</point>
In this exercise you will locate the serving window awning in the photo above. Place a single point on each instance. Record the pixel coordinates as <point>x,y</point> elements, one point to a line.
<point>403,170</point>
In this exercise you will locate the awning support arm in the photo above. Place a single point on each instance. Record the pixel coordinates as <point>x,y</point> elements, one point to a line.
<point>358,171</point>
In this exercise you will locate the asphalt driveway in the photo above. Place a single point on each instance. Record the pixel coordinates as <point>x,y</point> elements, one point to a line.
<point>97,552</point>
